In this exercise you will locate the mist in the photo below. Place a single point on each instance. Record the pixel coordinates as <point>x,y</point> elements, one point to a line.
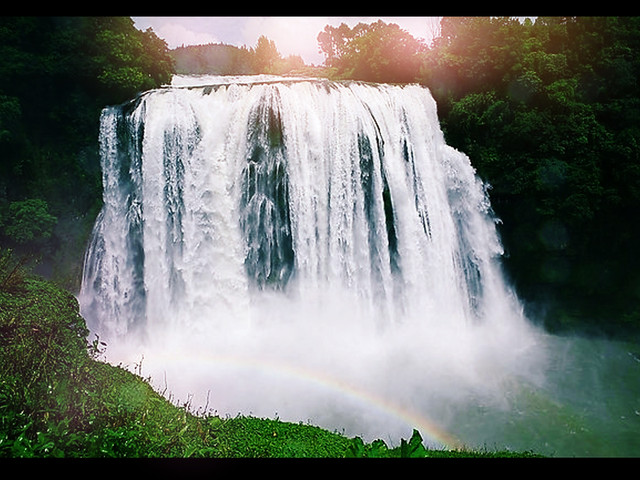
<point>313,251</point>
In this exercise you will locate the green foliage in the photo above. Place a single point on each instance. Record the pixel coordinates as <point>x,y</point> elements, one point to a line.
<point>213,59</point>
<point>128,61</point>
<point>414,448</point>
<point>29,221</point>
<point>13,271</point>
<point>9,116</point>
<point>56,74</point>
<point>378,52</point>
<point>266,438</point>
<point>548,113</point>
<point>56,400</point>
<point>220,59</point>
<point>265,55</point>
<point>42,338</point>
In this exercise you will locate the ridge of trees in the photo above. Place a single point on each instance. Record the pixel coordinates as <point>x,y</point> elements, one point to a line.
<point>222,59</point>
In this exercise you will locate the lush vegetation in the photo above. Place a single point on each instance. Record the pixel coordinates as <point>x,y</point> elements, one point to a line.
<point>549,114</point>
<point>221,59</point>
<point>378,52</point>
<point>56,74</point>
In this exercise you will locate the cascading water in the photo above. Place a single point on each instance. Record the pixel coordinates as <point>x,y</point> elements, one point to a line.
<point>303,249</point>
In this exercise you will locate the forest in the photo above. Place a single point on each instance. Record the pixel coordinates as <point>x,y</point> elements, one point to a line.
<point>221,59</point>
<point>56,75</point>
<point>548,111</point>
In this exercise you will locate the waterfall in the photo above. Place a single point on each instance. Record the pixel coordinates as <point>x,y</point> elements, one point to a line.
<point>300,224</point>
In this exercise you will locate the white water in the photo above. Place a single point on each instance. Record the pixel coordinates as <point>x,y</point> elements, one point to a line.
<point>307,250</point>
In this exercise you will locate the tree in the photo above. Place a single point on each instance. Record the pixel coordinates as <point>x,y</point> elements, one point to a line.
<point>290,63</point>
<point>377,52</point>
<point>265,55</point>
<point>29,222</point>
<point>334,43</point>
<point>125,60</point>
<point>473,54</point>
<point>216,59</point>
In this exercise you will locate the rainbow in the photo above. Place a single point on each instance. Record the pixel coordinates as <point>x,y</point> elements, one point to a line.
<point>425,426</point>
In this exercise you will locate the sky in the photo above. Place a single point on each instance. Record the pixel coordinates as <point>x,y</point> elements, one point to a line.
<point>292,35</point>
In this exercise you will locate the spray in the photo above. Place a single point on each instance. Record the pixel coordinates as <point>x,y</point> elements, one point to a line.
<point>304,249</point>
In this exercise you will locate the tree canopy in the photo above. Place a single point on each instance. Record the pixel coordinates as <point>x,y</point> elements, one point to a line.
<point>378,52</point>
<point>221,59</point>
<point>56,74</point>
<point>548,112</point>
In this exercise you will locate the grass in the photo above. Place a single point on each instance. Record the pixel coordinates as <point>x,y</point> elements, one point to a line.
<point>58,400</point>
